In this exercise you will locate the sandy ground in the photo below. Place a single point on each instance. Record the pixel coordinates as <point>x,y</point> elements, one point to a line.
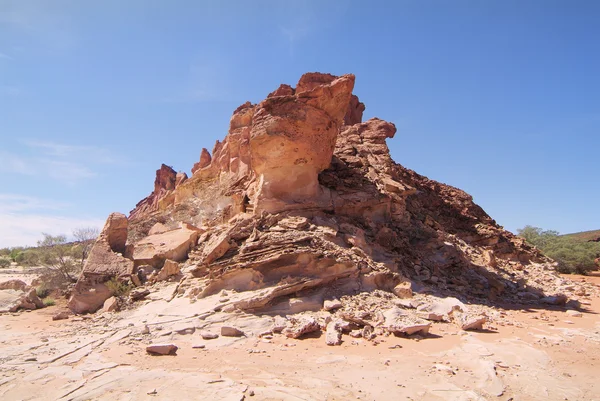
<point>535,354</point>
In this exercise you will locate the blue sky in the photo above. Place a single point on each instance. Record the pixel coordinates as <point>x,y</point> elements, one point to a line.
<point>499,98</point>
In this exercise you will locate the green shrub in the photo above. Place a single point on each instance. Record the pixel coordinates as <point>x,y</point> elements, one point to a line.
<point>42,291</point>
<point>28,257</point>
<point>571,254</point>
<point>49,302</point>
<point>117,287</point>
<point>5,262</point>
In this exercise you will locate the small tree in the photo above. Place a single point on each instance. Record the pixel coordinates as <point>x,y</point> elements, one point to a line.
<point>55,254</point>
<point>86,236</point>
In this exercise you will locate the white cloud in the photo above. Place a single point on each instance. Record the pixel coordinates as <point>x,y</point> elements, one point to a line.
<point>5,56</point>
<point>26,229</point>
<point>68,164</point>
<point>25,218</point>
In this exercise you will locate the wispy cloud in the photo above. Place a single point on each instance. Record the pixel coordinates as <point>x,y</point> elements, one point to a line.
<point>25,218</point>
<point>68,164</point>
<point>56,149</point>
<point>5,56</point>
<point>49,26</point>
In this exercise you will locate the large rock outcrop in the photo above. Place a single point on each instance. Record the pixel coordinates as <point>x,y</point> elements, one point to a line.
<point>302,200</point>
<point>104,262</point>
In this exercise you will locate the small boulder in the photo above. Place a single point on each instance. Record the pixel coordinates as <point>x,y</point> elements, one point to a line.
<point>333,333</point>
<point>162,349</point>
<point>229,331</point>
<point>574,313</point>
<point>13,285</point>
<point>207,335</point>
<point>61,316</point>
<point>299,326</point>
<point>467,322</point>
<point>170,268</point>
<point>403,290</point>
<point>332,304</point>
<point>138,294</point>
<point>110,305</point>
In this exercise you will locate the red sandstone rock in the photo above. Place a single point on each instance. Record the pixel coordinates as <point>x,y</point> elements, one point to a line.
<point>204,162</point>
<point>174,245</point>
<point>355,110</point>
<point>102,264</point>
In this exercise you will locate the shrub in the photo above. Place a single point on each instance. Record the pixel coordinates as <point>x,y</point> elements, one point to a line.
<point>5,262</point>
<point>571,254</point>
<point>49,302</point>
<point>42,291</point>
<point>117,287</point>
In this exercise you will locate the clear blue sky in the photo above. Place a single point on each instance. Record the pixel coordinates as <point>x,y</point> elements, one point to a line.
<point>499,98</point>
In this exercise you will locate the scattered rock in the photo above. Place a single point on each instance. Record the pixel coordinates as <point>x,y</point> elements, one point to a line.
<point>399,322</point>
<point>333,333</point>
<point>207,335</point>
<point>555,300</point>
<point>403,290</point>
<point>574,313</point>
<point>138,294</point>
<point>468,322</point>
<point>300,325</point>
<point>110,305</point>
<point>162,349</point>
<point>333,304</point>
<point>61,316</point>
<point>229,331</point>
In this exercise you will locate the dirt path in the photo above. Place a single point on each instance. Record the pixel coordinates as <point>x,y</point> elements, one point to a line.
<point>535,354</point>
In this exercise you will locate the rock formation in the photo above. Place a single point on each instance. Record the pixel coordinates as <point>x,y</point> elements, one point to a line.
<point>302,201</point>
<point>104,263</point>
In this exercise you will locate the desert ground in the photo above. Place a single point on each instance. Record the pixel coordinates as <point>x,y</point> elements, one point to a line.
<point>526,354</point>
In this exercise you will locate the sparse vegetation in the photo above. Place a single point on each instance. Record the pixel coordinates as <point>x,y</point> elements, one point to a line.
<point>118,288</point>
<point>42,291</point>
<point>49,302</point>
<point>5,262</point>
<point>572,254</point>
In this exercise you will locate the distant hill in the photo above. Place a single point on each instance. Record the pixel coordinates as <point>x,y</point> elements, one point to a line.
<point>584,236</point>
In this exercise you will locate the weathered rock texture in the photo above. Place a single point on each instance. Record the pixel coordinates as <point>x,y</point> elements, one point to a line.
<point>301,202</point>
<point>104,263</point>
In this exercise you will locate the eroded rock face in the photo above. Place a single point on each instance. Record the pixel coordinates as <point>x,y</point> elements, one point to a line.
<point>104,262</point>
<point>174,245</point>
<point>293,138</point>
<point>164,183</point>
<point>204,162</point>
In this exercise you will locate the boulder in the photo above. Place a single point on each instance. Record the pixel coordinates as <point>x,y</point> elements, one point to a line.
<point>13,285</point>
<point>471,322</point>
<point>230,331</point>
<point>333,333</point>
<point>207,335</point>
<point>169,269</point>
<point>298,326</point>
<point>216,247</point>
<point>332,304</point>
<point>162,349</point>
<point>61,315</point>
<point>158,228</point>
<point>103,263</point>
<point>174,245</point>
<point>110,305</point>
<point>403,290</point>
<point>13,300</point>
<point>399,322</point>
